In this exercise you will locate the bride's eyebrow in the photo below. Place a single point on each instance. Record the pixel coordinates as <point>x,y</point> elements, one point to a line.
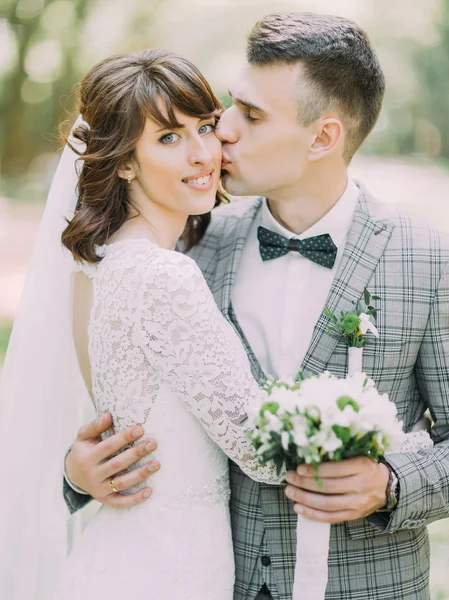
<point>170,128</point>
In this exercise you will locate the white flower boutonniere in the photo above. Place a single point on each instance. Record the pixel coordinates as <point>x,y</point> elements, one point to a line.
<point>366,325</point>
<point>352,327</point>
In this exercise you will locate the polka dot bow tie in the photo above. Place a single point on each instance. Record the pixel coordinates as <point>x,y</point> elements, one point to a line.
<point>319,249</point>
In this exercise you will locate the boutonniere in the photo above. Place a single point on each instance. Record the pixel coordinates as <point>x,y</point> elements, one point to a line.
<point>352,327</point>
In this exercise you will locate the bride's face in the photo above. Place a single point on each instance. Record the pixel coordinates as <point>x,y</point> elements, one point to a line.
<point>178,169</point>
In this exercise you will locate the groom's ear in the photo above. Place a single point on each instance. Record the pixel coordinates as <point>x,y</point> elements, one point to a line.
<point>327,137</point>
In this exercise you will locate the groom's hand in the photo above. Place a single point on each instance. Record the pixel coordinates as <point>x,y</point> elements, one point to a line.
<point>352,488</point>
<point>90,464</point>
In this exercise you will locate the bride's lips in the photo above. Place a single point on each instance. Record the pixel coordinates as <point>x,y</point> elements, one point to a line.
<point>201,181</point>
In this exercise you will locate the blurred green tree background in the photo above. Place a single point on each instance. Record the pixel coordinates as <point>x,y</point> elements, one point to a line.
<point>45,48</point>
<point>47,45</point>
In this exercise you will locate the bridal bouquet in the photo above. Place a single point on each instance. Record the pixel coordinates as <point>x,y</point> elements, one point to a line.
<point>317,419</point>
<point>323,418</point>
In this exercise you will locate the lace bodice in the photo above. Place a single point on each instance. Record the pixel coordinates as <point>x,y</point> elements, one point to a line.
<point>154,314</point>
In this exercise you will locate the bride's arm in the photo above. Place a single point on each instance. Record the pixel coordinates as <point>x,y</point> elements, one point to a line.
<point>201,357</point>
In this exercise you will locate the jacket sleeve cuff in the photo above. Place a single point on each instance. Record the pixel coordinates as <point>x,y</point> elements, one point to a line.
<point>411,511</point>
<point>74,497</point>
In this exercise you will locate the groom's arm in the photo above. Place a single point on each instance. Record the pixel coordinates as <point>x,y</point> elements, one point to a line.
<point>92,462</point>
<point>356,487</point>
<point>424,476</point>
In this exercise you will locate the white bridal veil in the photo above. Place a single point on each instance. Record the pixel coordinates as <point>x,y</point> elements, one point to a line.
<point>42,399</point>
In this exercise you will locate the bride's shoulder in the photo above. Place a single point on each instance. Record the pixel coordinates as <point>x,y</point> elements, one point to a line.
<point>148,261</point>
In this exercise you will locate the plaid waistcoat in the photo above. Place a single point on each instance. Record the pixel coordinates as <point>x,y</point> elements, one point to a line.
<point>406,264</point>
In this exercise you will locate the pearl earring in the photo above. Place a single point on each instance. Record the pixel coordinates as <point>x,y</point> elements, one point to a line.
<point>129,179</point>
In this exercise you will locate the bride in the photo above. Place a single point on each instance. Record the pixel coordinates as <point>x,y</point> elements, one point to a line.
<point>152,346</point>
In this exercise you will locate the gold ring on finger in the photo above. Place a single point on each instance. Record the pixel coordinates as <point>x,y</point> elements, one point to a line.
<point>111,483</point>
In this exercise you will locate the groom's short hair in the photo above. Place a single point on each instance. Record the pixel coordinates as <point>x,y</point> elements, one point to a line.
<point>338,61</point>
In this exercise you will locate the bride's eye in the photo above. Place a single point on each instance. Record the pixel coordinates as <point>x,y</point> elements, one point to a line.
<point>169,138</point>
<point>206,128</point>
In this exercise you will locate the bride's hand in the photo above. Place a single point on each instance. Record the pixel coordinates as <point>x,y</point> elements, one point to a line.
<point>90,464</point>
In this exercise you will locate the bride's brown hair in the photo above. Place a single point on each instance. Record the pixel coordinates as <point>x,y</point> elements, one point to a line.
<point>115,99</point>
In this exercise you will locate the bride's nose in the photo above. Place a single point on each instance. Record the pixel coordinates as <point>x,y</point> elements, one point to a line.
<point>199,152</point>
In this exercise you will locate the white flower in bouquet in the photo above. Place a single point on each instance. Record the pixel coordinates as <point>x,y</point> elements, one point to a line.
<point>323,418</point>
<point>327,440</point>
<point>300,430</point>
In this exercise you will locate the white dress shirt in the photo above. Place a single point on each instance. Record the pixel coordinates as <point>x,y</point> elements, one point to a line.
<point>278,302</point>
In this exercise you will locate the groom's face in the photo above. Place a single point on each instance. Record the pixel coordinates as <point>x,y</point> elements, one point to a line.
<point>265,150</point>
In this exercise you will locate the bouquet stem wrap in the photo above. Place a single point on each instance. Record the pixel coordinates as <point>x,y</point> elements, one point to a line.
<point>312,549</point>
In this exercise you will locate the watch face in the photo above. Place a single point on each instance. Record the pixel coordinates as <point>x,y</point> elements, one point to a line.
<point>392,496</point>
<point>392,500</point>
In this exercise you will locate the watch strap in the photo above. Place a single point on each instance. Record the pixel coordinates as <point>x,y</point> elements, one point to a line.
<point>392,491</point>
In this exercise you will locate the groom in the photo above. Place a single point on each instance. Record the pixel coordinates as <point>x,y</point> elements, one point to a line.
<point>309,94</point>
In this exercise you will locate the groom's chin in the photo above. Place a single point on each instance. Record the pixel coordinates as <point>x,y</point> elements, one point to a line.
<point>233,186</point>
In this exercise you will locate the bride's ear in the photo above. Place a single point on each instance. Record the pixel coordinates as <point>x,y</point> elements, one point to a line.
<point>126,171</point>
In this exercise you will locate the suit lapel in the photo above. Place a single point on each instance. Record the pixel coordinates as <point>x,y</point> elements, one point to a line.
<point>234,237</point>
<point>366,242</point>
<point>228,260</point>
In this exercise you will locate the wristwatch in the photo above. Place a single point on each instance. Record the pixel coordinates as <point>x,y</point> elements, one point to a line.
<point>392,493</point>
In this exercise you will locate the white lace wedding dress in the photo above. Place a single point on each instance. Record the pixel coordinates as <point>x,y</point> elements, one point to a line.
<point>163,356</point>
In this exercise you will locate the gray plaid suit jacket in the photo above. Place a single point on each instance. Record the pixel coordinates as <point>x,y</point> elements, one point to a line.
<point>385,556</point>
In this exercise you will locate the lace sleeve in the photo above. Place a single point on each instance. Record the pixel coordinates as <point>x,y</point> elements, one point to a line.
<point>201,357</point>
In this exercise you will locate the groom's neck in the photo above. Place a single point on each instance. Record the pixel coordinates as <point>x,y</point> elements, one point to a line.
<point>303,205</point>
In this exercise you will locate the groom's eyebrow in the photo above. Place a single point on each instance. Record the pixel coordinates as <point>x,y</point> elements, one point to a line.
<point>247,104</point>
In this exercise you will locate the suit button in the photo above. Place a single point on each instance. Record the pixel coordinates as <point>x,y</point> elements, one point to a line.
<point>266,561</point>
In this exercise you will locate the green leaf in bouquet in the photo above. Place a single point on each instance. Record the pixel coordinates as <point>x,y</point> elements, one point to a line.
<point>291,459</point>
<point>271,407</point>
<point>351,453</point>
<point>363,440</point>
<point>313,420</point>
<point>300,377</point>
<point>272,453</point>
<point>337,455</point>
<point>366,445</point>
<point>345,401</point>
<point>279,462</point>
<point>343,433</point>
